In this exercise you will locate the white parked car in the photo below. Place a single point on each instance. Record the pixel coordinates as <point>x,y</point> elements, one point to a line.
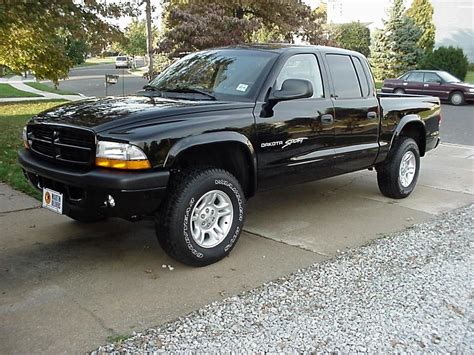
<point>122,62</point>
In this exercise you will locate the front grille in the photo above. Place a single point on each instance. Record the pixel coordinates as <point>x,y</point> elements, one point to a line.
<point>63,144</point>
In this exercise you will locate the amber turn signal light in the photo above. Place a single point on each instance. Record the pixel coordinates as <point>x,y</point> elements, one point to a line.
<point>122,164</point>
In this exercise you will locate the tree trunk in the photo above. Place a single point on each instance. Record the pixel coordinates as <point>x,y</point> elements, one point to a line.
<point>149,41</point>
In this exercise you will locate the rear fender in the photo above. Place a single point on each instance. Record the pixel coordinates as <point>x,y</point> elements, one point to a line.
<point>411,119</point>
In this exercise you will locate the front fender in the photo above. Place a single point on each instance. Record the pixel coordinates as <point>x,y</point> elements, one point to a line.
<point>209,138</point>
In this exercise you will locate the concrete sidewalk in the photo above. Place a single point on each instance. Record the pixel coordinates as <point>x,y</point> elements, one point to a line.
<point>66,287</point>
<point>19,84</point>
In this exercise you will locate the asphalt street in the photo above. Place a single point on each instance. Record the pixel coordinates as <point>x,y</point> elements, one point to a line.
<point>90,81</point>
<point>457,125</point>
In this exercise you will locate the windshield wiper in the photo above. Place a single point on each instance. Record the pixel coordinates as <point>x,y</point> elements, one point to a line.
<point>192,91</point>
<point>151,88</point>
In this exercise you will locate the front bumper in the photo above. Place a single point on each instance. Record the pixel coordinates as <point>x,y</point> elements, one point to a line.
<point>469,96</point>
<point>135,193</point>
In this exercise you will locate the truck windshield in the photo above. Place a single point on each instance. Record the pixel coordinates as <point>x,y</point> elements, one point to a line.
<point>225,74</point>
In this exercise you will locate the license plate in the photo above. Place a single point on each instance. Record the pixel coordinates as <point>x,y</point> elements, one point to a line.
<point>53,200</point>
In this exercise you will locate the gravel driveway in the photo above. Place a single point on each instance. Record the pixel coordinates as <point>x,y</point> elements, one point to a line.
<point>409,292</point>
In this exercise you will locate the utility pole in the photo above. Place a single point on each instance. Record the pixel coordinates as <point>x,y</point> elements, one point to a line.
<point>149,38</point>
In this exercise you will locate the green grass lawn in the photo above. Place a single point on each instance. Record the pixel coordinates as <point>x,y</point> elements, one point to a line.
<point>13,117</point>
<point>47,88</point>
<point>95,61</point>
<point>6,90</point>
<point>470,77</point>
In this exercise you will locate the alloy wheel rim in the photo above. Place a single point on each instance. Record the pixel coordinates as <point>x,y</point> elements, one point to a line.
<point>407,169</point>
<point>211,219</point>
<point>456,99</point>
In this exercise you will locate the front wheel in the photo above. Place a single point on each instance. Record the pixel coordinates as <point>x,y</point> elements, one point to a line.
<point>202,217</point>
<point>397,177</point>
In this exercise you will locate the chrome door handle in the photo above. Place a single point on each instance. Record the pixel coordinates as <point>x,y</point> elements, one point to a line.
<point>327,119</point>
<point>425,85</point>
<point>371,115</point>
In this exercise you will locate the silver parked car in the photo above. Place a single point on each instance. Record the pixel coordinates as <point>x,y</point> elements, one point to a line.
<point>122,62</point>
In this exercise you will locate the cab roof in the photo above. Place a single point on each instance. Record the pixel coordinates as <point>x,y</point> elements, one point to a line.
<point>288,47</point>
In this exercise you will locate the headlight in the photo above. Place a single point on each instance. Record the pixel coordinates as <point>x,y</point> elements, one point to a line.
<point>471,90</point>
<point>24,137</point>
<point>120,156</point>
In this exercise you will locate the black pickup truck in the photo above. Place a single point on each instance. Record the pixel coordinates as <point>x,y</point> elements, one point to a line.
<point>216,127</point>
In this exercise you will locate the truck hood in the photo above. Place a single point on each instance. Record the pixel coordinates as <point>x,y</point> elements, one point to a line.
<point>113,112</point>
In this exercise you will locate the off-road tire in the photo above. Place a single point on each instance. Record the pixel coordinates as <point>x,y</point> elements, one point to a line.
<point>173,219</point>
<point>388,173</point>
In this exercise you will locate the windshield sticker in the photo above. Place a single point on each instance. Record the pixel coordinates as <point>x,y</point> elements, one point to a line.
<point>242,87</point>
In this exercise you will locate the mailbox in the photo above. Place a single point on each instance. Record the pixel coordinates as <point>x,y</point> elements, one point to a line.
<point>111,79</point>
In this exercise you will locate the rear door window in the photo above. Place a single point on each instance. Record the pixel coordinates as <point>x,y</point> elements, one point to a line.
<point>364,83</point>
<point>404,76</point>
<point>432,78</point>
<point>416,76</point>
<point>344,76</point>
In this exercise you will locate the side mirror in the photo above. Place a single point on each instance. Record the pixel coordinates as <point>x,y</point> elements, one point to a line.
<point>293,89</point>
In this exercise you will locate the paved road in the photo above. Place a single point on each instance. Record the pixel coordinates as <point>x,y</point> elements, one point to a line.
<point>90,80</point>
<point>66,287</point>
<point>458,124</point>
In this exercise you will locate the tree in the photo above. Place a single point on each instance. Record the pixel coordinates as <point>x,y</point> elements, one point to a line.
<point>314,29</point>
<point>453,60</point>
<point>32,32</point>
<point>199,26</point>
<point>354,36</point>
<point>421,11</point>
<point>76,50</point>
<point>394,48</point>
<point>135,39</point>
<point>195,24</point>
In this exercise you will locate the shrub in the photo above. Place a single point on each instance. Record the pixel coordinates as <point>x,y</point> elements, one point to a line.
<point>450,59</point>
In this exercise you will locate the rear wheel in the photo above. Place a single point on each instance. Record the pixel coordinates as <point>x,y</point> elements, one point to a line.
<point>457,98</point>
<point>397,177</point>
<point>202,217</point>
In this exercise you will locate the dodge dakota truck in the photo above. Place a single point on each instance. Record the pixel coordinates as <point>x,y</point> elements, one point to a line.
<point>218,126</point>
